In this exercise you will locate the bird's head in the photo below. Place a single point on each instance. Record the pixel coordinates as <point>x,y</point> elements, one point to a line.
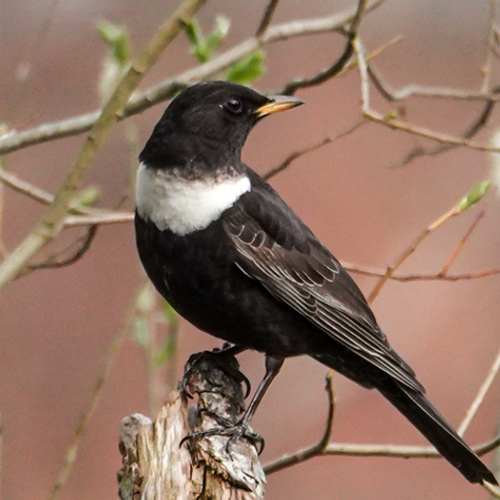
<point>206,125</point>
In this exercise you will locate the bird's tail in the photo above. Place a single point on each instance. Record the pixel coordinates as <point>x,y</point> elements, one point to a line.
<point>422,414</point>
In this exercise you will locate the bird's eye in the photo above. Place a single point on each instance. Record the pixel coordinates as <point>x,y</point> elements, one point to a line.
<point>234,105</point>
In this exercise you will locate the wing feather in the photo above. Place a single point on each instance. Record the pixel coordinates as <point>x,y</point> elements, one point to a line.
<point>305,276</point>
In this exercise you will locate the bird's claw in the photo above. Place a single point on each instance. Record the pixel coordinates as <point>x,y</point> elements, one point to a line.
<point>234,432</point>
<point>217,356</point>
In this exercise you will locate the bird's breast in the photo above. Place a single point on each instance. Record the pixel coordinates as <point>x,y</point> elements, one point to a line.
<point>185,205</point>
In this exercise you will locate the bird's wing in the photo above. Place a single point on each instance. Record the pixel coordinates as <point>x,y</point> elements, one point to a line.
<point>276,248</point>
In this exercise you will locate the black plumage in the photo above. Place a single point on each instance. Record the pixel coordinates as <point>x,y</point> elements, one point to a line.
<point>250,272</point>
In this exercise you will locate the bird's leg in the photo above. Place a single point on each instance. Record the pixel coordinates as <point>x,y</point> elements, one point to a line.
<point>273,366</point>
<point>236,431</point>
<point>220,357</point>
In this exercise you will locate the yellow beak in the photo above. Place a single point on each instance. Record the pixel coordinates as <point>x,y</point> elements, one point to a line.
<point>276,104</point>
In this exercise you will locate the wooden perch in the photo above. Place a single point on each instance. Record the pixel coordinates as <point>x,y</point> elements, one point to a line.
<point>155,467</point>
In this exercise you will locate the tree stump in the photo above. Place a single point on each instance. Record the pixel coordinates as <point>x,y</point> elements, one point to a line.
<point>156,467</point>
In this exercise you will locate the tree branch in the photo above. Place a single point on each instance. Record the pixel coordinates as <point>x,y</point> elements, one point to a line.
<point>266,19</point>
<point>481,393</point>
<point>52,223</point>
<point>317,449</point>
<point>292,87</point>
<point>141,101</point>
<point>391,122</point>
<point>53,262</point>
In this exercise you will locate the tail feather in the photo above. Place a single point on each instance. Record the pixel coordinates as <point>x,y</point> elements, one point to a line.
<point>422,414</point>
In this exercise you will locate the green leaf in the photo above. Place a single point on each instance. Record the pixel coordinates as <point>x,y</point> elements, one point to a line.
<point>117,39</point>
<point>248,69</point>
<point>221,29</point>
<point>473,196</point>
<point>202,47</point>
<point>193,32</point>
<point>195,36</point>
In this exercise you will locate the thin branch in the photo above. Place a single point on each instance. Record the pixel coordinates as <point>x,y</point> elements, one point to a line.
<point>394,124</point>
<point>266,19</point>
<point>317,449</point>
<point>481,393</point>
<point>53,262</point>
<point>411,249</point>
<point>109,362</point>
<point>365,105</point>
<point>421,277</point>
<point>461,244</point>
<point>369,450</point>
<point>127,217</point>
<point>412,90</point>
<point>292,87</point>
<point>141,101</point>
<point>474,128</point>
<point>93,220</point>
<point>88,217</point>
<point>52,223</point>
<point>297,154</point>
<point>25,188</point>
<point>393,95</point>
<point>396,451</point>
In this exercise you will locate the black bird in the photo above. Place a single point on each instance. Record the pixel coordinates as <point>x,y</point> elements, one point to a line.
<point>232,258</point>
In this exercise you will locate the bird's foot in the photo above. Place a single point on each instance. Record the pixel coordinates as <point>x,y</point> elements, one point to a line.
<point>234,431</point>
<point>222,359</point>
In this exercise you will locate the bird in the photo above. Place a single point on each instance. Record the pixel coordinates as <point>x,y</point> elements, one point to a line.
<point>232,258</point>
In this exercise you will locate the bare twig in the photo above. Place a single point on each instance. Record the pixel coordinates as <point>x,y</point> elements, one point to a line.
<point>428,133</point>
<point>299,83</point>
<point>88,217</point>
<point>109,362</point>
<point>365,105</point>
<point>411,248</point>
<point>105,218</point>
<point>315,450</point>
<point>266,19</point>
<point>141,101</point>
<point>413,90</point>
<point>461,244</point>
<point>479,123</point>
<point>392,95</point>
<point>395,451</point>
<point>52,223</point>
<point>297,154</point>
<point>25,188</point>
<point>391,122</point>
<point>421,277</point>
<point>370,450</point>
<point>53,262</point>
<point>481,393</point>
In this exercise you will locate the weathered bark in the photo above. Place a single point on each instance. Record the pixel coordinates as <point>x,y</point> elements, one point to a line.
<point>155,467</point>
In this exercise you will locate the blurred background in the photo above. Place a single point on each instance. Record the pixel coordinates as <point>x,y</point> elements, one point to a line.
<point>57,325</point>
